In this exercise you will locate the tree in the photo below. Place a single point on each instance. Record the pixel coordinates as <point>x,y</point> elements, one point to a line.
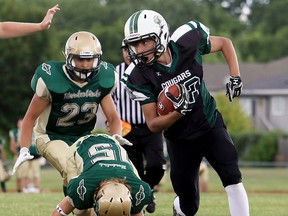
<point>235,118</point>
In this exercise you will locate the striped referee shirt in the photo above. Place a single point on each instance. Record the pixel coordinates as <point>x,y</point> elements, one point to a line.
<point>127,109</point>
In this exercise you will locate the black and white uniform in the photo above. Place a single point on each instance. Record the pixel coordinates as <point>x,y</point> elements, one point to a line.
<point>147,151</point>
<point>202,131</point>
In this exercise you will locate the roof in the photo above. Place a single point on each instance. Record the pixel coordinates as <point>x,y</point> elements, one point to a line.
<point>255,76</point>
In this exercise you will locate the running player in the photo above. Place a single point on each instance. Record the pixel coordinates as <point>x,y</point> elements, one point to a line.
<point>196,128</point>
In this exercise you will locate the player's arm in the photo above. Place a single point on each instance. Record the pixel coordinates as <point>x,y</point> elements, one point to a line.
<point>225,46</point>
<point>17,29</point>
<point>36,107</point>
<point>110,113</point>
<point>158,123</point>
<point>63,208</point>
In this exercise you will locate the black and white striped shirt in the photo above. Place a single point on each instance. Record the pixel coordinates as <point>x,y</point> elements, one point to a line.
<point>127,109</point>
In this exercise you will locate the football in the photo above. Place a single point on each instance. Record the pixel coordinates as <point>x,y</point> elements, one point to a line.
<point>164,105</point>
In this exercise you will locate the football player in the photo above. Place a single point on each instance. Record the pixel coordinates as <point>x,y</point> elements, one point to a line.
<point>17,29</point>
<point>67,97</point>
<point>102,180</point>
<point>4,176</point>
<point>195,129</point>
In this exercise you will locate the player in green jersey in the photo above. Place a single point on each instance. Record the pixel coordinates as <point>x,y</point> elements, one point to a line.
<point>66,100</point>
<point>102,177</point>
<point>18,29</point>
<point>4,176</point>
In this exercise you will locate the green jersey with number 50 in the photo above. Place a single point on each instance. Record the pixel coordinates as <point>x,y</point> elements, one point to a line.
<point>73,106</point>
<point>95,158</point>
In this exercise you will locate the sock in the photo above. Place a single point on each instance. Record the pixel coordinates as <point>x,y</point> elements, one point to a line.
<point>238,200</point>
<point>177,208</point>
<point>3,186</point>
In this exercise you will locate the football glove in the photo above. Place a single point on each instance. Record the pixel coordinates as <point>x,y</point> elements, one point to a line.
<point>121,140</point>
<point>234,87</point>
<point>180,103</point>
<point>23,156</point>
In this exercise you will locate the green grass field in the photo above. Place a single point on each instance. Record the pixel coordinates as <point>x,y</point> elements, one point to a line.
<point>267,191</point>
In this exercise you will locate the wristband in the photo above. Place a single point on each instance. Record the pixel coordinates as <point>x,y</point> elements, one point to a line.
<point>59,209</point>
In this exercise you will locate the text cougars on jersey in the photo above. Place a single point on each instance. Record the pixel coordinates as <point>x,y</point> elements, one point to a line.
<point>84,94</point>
<point>183,76</point>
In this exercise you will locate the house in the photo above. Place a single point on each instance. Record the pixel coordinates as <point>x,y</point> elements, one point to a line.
<point>265,91</point>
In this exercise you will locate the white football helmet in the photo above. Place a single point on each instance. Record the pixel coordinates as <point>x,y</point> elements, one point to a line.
<point>145,24</point>
<point>112,199</point>
<point>83,45</point>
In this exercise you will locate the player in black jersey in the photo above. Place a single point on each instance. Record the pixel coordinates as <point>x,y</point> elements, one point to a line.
<point>196,128</point>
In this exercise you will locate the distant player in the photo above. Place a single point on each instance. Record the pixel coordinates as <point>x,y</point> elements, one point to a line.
<point>4,176</point>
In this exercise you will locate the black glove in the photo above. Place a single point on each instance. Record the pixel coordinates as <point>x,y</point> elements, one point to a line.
<point>234,87</point>
<point>180,103</point>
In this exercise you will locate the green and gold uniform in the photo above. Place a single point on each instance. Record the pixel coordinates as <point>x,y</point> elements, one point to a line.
<point>73,106</point>
<point>95,158</point>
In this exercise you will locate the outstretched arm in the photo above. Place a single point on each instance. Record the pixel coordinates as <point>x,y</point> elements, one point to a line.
<point>17,29</point>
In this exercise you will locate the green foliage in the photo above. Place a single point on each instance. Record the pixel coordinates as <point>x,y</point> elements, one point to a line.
<point>235,118</point>
<point>258,146</point>
<point>20,56</point>
<point>265,149</point>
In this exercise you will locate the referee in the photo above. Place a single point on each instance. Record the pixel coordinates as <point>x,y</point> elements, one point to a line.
<point>147,151</point>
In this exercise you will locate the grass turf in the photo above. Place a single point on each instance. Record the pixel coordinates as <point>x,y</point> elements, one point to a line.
<point>267,190</point>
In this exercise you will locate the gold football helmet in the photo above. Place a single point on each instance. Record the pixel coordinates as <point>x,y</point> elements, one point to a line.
<point>83,45</point>
<point>113,198</point>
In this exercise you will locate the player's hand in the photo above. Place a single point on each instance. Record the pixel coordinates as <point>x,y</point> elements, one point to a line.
<point>181,103</point>
<point>234,87</point>
<point>46,22</point>
<point>23,156</point>
<point>121,140</point>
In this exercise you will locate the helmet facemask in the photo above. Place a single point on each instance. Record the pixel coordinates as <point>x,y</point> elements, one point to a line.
<point>82,45</point>
<point>83,74</point>
<point>158,49</point>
